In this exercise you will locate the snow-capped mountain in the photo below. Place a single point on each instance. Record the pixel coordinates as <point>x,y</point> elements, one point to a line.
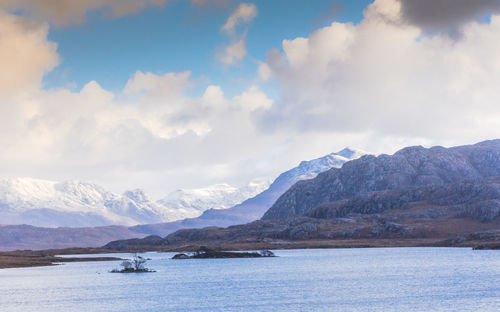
<point>73,203</point>
<point>218,196</point>
<point>253,208</point>
<point>310,169</point>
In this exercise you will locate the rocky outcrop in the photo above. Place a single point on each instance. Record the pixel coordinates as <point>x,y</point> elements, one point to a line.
<point>473,199</point>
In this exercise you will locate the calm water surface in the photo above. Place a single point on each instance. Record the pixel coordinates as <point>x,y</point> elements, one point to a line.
<point>386,279</point>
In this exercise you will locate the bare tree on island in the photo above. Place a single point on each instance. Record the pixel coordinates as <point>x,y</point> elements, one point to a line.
<point>136,265</point>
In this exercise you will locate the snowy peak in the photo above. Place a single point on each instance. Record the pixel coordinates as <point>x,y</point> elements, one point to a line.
<point>218,196</point>
<point>310,168</point>
<point>23,189</point>
<point>75,203</point>
<point>351,153</point>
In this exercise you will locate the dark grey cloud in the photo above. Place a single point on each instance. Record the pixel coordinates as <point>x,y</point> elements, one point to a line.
<point>447,16</point>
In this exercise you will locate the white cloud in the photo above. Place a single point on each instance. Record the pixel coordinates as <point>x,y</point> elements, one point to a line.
<point>385,78</point>
<point>25,54</point>
<point>152,134</point>
<point>253,99</point>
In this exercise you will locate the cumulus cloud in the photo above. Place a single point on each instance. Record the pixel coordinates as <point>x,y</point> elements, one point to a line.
<point>447,16</point>
<point>383,78</point>
<point>62,12</point>
<point>152,134</point>
<point>236,50</point>
<point>25,54</point>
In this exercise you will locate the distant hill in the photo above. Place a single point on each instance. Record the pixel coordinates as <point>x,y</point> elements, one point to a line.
<point>27,237</point>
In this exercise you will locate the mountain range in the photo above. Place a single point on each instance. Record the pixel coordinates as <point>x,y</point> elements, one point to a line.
<point>49,211</point>
<point>81,204</point>
<point>443,196</point>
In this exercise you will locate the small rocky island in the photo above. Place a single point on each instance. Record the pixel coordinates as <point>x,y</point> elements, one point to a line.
<point>207,253</point>
<point>136,265</point>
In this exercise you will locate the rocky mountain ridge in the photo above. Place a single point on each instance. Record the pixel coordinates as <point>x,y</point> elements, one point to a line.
<point>409,167</point>
<point>440,194</point>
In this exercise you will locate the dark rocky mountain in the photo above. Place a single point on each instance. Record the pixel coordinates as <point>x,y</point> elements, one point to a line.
<point>438,194</point>
<point>408,168</point>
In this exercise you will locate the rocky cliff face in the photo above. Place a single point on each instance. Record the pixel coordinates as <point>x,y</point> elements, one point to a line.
<point>411,167</point>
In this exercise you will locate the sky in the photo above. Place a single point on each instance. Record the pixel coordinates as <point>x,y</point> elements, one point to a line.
<point>162,95</point>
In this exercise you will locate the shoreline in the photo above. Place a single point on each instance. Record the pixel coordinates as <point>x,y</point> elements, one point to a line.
<point>28,258</point>
<point>36,258</point>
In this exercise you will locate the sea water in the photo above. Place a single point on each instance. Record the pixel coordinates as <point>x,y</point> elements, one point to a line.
<point>372,279</point>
